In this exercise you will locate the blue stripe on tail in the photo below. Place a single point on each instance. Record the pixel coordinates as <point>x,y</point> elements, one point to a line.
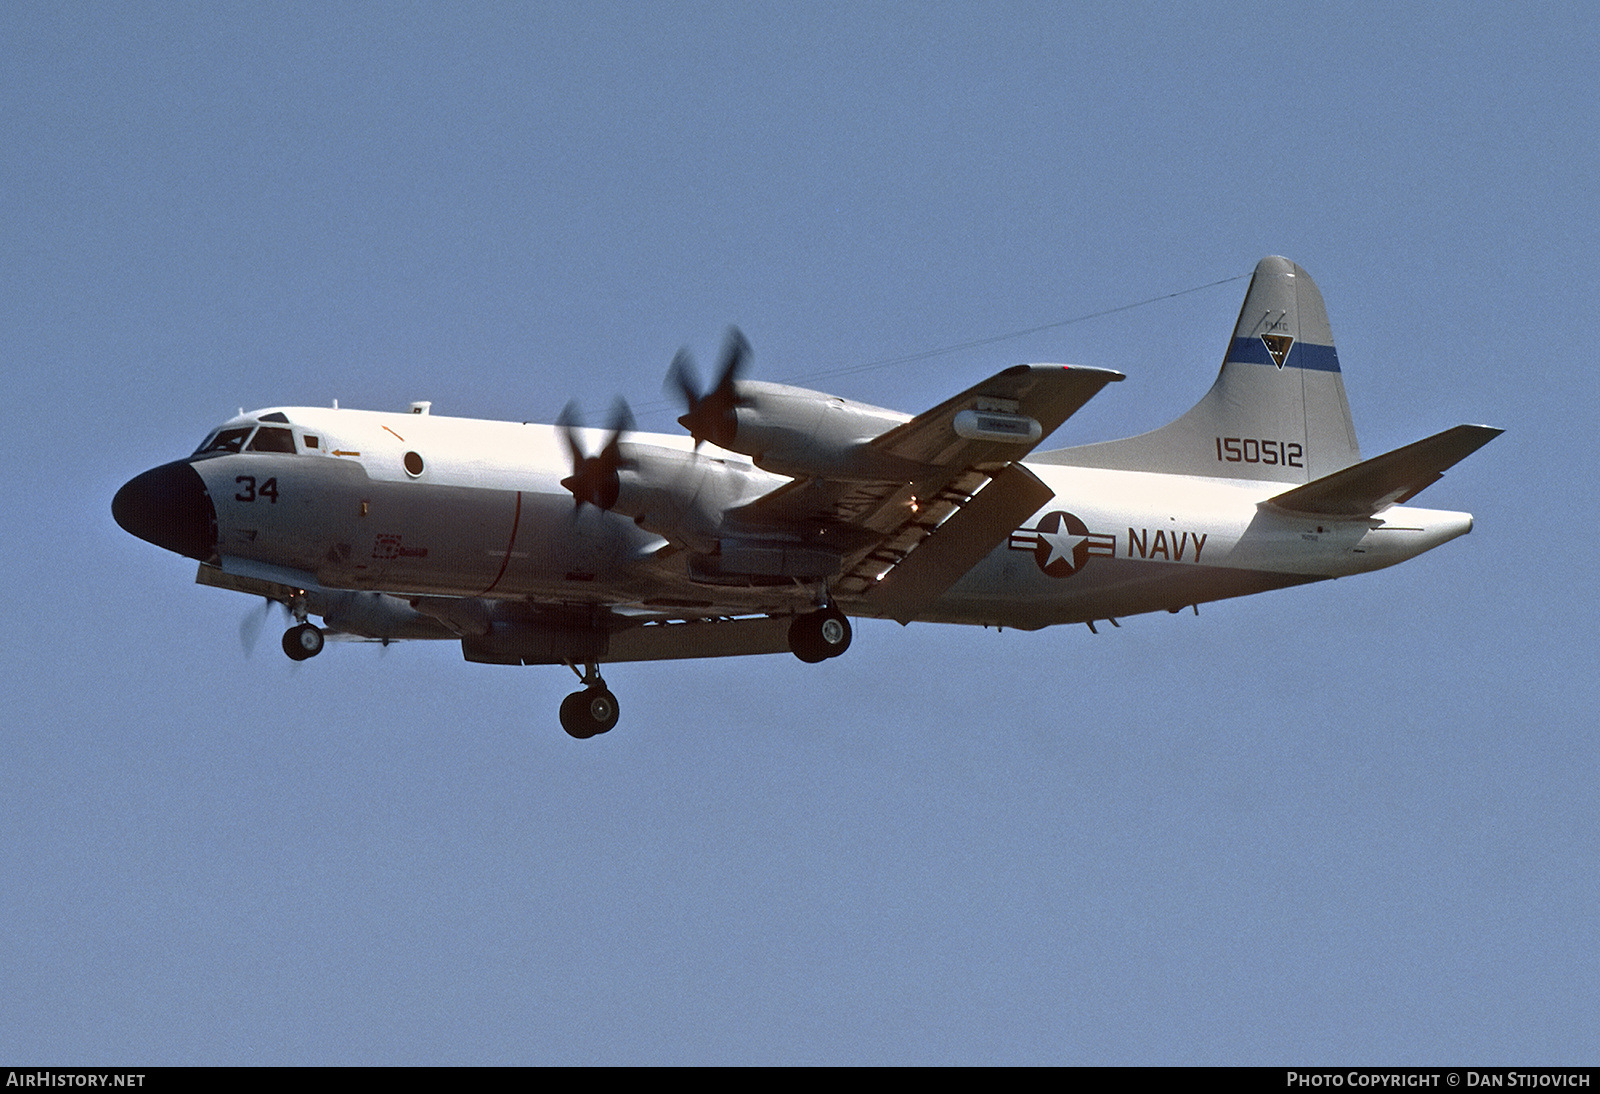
<point>1253,351</point>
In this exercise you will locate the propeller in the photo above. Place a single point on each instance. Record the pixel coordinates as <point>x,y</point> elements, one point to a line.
<point>254,622</point>
<point>711,416</point>
<point>594,479</point>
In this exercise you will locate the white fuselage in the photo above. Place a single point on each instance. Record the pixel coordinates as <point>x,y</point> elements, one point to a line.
<point>423,505</point>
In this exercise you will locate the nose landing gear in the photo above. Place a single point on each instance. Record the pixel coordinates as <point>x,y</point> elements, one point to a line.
<point>302,642</point>
<point>305,640</point>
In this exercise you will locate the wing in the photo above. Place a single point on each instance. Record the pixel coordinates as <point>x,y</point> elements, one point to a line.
<point>960,476</point>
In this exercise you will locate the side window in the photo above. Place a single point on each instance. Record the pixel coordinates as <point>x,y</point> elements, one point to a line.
<point>271,439</point>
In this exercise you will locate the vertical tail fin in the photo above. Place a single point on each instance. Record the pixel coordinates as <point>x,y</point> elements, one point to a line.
<point>1277,411</point>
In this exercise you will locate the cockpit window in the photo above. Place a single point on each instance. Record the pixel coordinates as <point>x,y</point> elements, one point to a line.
<point>270,439</point>
<point>276,416</point>
<point>225,440</point>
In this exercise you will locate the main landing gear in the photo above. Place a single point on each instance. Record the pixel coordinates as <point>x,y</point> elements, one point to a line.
<point>819,635</point>
<point>815,636</point>
<point>593,710</point>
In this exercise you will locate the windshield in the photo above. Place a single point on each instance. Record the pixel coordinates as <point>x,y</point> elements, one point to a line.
<point>225,440</point>
<point>250,438</point>
<point>270,439</point>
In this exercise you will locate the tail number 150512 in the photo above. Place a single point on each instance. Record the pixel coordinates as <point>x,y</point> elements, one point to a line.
<point>1256,450</point>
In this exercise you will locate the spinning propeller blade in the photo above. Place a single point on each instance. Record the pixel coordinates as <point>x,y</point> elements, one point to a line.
<point>254,622</point>
<point>594,480</point>
<point>711,416</point>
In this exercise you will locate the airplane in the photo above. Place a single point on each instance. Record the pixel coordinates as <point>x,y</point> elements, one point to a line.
<point>785,512</point>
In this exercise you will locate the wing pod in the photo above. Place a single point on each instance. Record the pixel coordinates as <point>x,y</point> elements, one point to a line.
<point>997,425</point>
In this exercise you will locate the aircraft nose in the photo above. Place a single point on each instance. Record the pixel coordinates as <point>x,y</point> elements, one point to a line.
<point>169,506</point>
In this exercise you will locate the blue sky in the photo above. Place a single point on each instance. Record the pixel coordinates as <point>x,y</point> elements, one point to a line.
<point>1353,822</point>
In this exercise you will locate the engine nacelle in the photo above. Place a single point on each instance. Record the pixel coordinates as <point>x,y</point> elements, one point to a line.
<point>684,495</point>
<point>799,432</point>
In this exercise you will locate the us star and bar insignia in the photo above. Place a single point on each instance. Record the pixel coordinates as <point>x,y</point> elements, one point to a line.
<point>1062,544</point>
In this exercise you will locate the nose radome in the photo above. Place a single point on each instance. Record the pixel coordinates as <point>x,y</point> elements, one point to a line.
<point>169,506</point>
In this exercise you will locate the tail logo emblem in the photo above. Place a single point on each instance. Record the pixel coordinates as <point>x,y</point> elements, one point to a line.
<point>1278,345</point>
<point>1062,544</point>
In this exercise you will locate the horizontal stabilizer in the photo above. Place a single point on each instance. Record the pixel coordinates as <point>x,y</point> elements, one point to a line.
<point>1371,486</point>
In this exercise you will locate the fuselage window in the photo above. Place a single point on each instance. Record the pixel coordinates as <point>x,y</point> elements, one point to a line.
<point>271,439</point>
<point>225,440</point>
<point>311,441</point>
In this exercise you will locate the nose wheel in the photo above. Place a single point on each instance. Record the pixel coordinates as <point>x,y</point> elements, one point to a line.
<point>592,711</point>
<point>819,635</point>
<point>302,642</point>
<point>589,712</point>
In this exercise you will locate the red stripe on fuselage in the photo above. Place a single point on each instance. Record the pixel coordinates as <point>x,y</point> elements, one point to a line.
<point>516,522</point>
